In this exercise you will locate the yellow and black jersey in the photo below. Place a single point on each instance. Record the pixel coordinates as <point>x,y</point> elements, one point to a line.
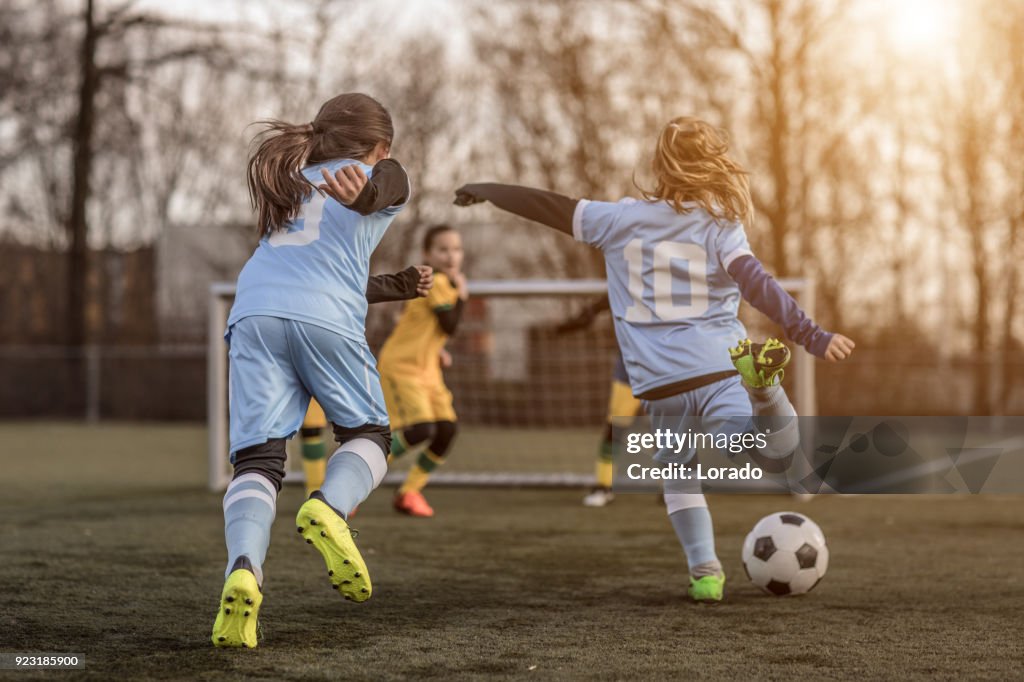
<point>426,323</point>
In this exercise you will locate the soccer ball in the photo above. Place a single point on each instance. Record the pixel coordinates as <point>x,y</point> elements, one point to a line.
<point>785,554</point>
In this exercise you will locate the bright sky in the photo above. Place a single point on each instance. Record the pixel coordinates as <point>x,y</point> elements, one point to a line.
<point>919,29</point>
<point>403,17</point>
<point>404,14</point>
<point>918,25</point>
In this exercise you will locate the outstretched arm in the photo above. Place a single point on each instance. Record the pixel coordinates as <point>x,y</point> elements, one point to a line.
<point>547,208</point>
<point>412,282</point>
<point>762,291</point>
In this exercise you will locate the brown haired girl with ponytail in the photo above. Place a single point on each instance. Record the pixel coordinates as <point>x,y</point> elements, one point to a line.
<point>349,126</point>
<point>324,194</point>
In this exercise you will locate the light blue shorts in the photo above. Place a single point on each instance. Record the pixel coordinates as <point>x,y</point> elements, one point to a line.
<point>276,365</point>
<point>724,407</point>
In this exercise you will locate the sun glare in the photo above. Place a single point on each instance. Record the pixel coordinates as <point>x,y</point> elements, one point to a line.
<point>921,25</point>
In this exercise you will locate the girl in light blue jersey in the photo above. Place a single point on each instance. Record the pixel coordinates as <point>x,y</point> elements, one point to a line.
<point>677,264</point>
<point>324,194</point>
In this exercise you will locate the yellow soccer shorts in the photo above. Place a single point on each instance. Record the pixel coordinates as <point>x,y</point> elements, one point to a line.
<point>416,400</point>
<point>622,406</point>
<point>315,418</point>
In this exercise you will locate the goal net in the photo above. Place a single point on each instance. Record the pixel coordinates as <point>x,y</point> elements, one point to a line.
<point>531,403</point>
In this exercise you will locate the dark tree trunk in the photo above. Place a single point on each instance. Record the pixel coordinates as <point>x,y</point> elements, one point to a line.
<point>778,144</point>
<point>976,226</point>
<point>1008,369</point>
<point>78,229</point>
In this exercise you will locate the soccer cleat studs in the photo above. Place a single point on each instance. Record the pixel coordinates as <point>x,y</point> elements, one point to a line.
<point>760,365</point>
<point>238,629</point>
<point>333,538</point>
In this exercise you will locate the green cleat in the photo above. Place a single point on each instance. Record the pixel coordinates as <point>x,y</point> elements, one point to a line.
<point>707,589</point>
<point>759,364</point>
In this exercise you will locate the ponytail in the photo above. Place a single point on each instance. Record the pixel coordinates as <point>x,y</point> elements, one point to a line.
<point>348,126</point>
<point>277,187</point>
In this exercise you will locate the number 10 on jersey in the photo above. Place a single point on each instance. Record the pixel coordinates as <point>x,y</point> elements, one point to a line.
<point>661,256</point>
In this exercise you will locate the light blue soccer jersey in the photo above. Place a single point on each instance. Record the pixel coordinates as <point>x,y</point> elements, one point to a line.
<point>672,299</point>
<point>316,270</point>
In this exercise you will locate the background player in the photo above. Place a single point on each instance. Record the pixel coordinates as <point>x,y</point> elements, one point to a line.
<point>623,407</point>
<point>419,403</point>
<point>296,329</point>
<point>687,235</point>
<point>414,281</point>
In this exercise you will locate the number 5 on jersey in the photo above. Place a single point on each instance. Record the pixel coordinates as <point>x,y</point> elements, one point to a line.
<point>661,258</point>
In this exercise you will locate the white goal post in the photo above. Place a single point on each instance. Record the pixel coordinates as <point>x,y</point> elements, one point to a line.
<point>532,446</point>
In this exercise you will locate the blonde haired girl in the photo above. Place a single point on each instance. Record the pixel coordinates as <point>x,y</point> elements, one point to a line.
<point>677,264</point>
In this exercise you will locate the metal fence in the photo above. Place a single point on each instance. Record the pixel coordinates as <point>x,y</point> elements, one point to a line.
<point>169,383</point>
<point>103,382</point>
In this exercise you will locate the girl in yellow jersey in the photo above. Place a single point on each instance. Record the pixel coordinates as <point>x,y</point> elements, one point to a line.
<point>419,404</point>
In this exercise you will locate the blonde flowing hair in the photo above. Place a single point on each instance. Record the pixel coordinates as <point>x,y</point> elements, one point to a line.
<point>691,164</point>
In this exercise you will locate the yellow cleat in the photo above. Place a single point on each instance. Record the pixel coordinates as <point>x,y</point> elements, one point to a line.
<point>742,348</point>
<point>759,364</point>
<point>328,532</point>
<point>236,623</point>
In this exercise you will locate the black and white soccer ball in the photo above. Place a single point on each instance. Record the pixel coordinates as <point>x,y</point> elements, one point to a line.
<point>785,554</point>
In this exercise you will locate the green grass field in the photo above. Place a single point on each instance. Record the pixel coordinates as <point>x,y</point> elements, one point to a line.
<point>111,547</point>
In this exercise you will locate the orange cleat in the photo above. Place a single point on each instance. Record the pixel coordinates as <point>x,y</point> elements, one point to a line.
<point>413,503</point>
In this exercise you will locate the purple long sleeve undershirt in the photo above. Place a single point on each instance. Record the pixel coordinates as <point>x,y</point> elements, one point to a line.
<point>760,290</point>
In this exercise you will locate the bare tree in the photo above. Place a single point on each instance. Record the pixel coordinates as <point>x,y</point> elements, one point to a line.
<point>558,74</point>
<point>979,139</point>
<point>61,142</point>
